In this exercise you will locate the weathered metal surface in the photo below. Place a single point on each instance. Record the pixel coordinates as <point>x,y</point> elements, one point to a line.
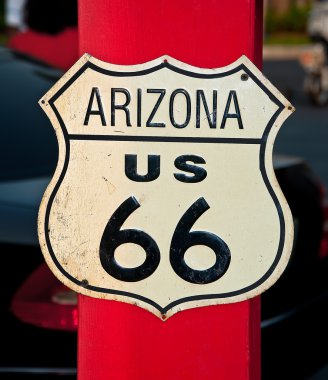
<point>164,194</point>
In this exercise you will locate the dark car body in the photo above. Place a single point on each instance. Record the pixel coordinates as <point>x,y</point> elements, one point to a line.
<point>294,310</point>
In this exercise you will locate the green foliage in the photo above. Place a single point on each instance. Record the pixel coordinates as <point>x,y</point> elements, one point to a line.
<point>294,20</point>
<point>287,38</point>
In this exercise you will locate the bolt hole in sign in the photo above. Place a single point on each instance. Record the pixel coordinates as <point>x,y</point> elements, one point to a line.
<point>164,194</point>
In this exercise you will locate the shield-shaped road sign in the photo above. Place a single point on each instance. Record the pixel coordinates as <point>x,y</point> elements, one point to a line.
<point>165,195</point>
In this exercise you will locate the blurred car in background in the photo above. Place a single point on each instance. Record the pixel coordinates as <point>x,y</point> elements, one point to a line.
<point>38,315</point>
<point>27,159</point>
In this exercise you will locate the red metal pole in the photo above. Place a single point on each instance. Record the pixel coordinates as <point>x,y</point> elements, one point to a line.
<point>121,341</point>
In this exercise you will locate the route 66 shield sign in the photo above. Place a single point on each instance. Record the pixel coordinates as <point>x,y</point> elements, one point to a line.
<point>165,195</point>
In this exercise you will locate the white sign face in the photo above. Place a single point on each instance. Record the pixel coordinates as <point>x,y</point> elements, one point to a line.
<point>165,195</point>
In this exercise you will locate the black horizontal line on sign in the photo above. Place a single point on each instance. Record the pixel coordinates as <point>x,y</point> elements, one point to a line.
<point>223,140</point>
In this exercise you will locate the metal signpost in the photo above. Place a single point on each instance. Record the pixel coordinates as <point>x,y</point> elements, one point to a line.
<point>164,195</point>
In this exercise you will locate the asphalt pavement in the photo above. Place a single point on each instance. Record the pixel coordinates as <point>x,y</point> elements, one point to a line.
<point>305,133</point>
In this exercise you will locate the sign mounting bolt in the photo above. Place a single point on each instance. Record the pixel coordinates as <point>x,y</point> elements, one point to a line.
<point>244,76</point>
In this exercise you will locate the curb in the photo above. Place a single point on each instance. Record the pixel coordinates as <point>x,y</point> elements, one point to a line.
<point>287,52</point>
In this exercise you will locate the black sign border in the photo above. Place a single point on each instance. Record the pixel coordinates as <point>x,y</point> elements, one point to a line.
<point>242,67</point>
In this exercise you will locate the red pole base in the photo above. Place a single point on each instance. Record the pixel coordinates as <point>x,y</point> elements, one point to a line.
<point>123,342</point>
